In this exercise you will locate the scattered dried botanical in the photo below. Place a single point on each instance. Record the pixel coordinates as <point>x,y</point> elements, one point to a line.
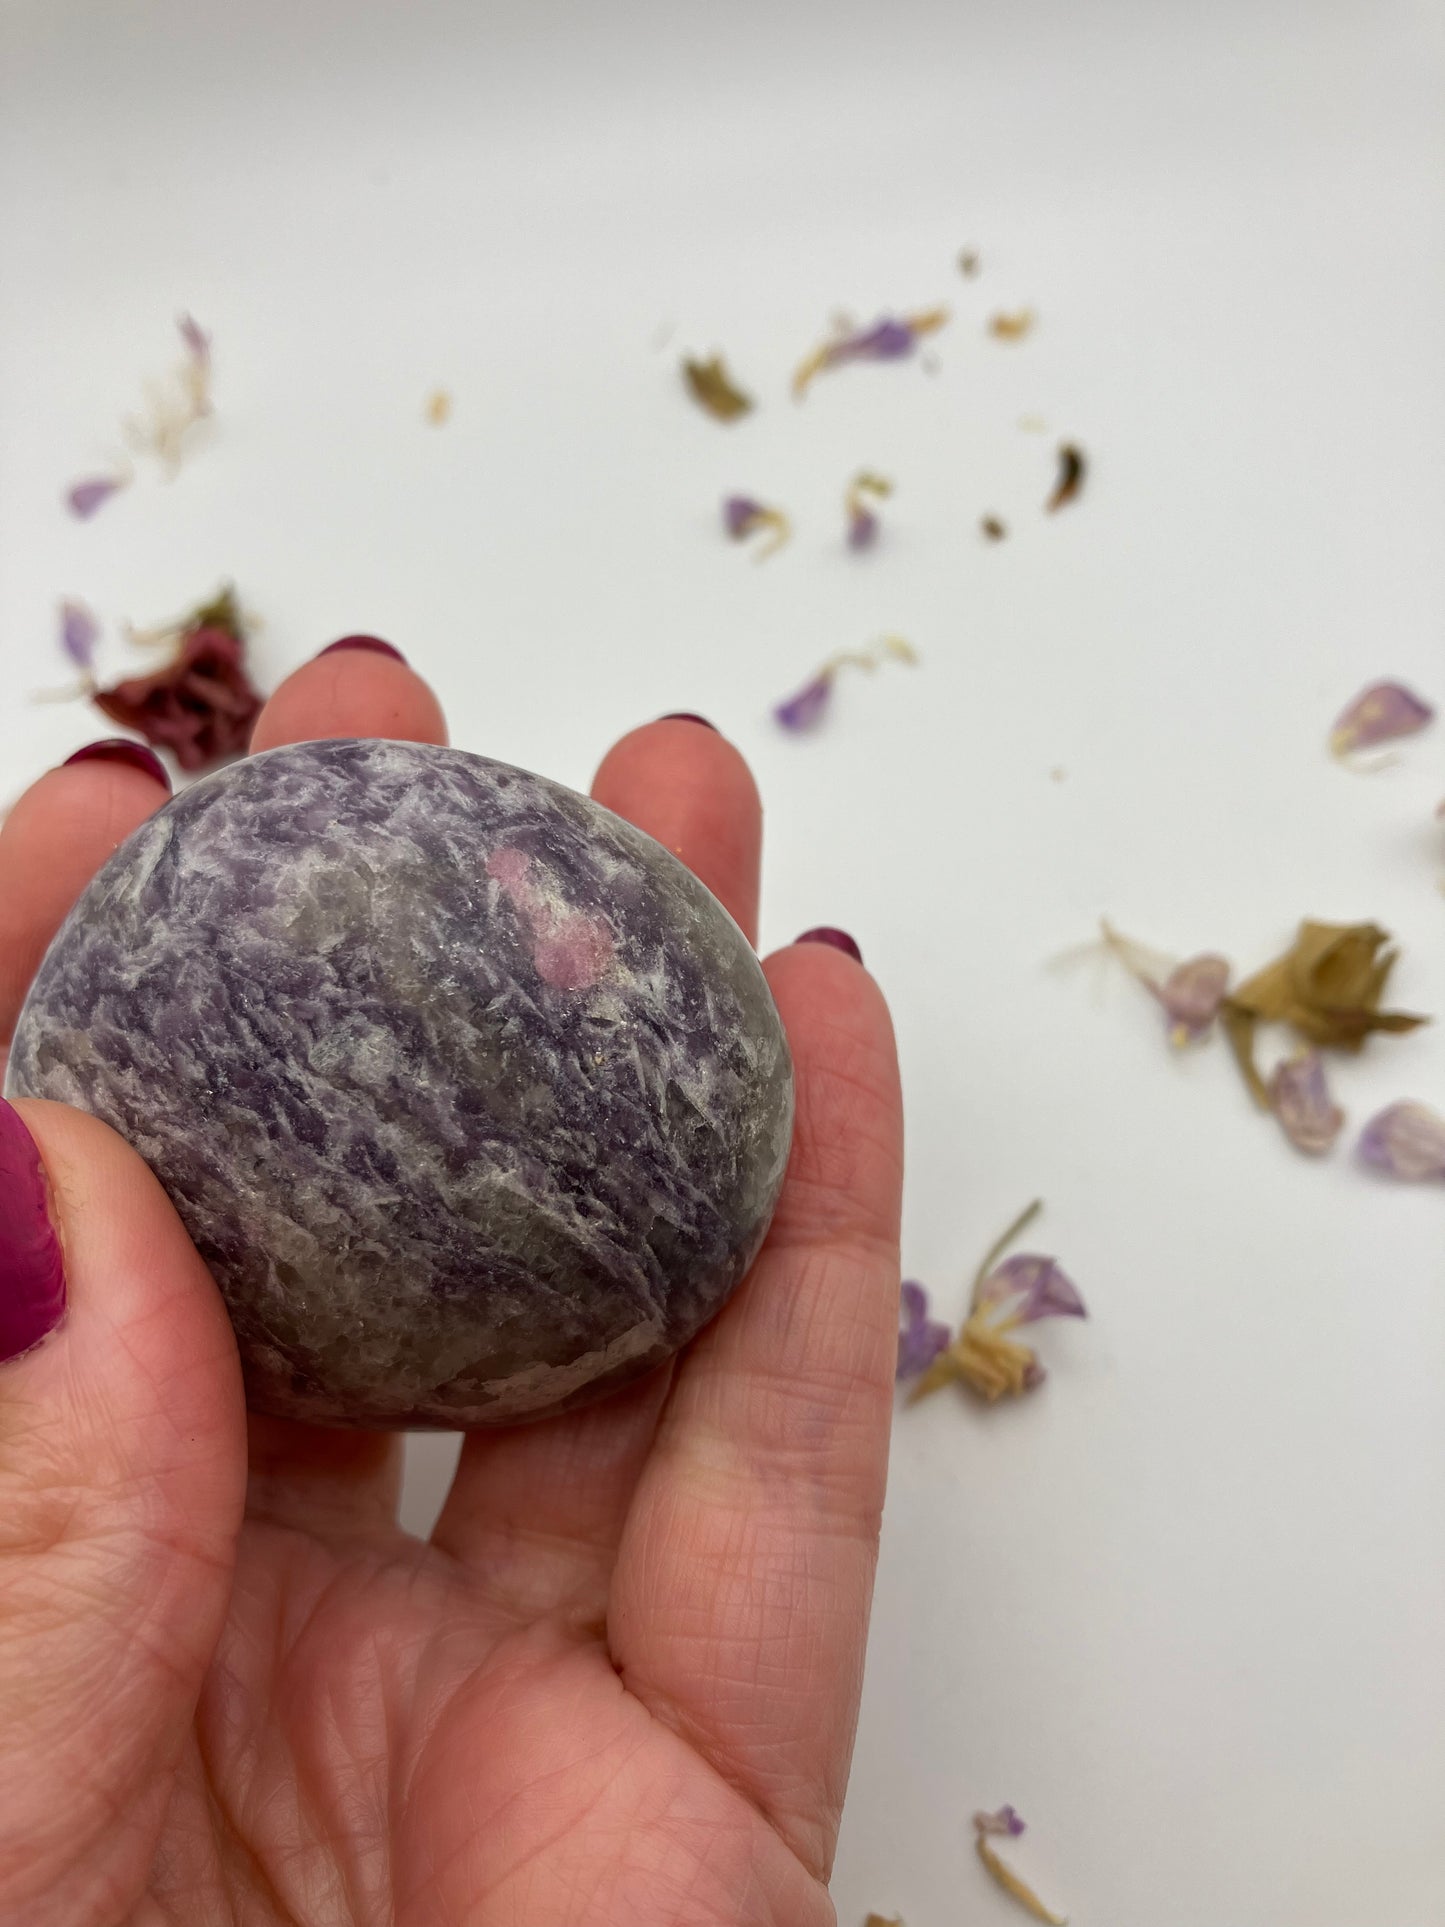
<point>1327,986</point>
<point>1189,993</point>
<point>1014,326</point>
<point>1382,713</point>
<point>920,1338</point>
<point>84,498</point>
<point>969,262</point>
<point>438,407</point>
<point>201,705</point>
<point>891,339</point>
<point>863,523</point>
<point>985,1824</point>
<point>1300,1098</point>
<point>1407,1141</point>
<point>1072,469</point>
<point>993,528</point>
<point>79,633</point>
<point>742,517</point>
<point>712,388</point>
<point>803,710</point>
<point>1006,1295</point>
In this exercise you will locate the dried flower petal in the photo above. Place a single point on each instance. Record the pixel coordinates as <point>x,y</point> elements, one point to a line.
<point>742,516</point>
<point>1012,327</point>
<point>202,705</point>
<point>79,632</point>
<point>1406,1141</point>
<point>863,523</point>
<point>84,498</point>
<point>1072,469</point>
<point>1005,1295</point>
<point>1189,993</point>
<point>1300,1099</point>
<point>1379,714</point>
<point>993,528</point>
<point>712,388</point>
<point>1327,986</point>
<point>804,709</point>
<point>198,342</point>
<point>1005,1821</point>
<point>889,339</point>
<point>1032,1288</point>
<point>920,1338</point>
<point>1011,1884</point>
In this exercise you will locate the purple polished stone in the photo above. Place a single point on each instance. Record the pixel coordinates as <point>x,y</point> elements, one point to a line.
<point>472,1097</point>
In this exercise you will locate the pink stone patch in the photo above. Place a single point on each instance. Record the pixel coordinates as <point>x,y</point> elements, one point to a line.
<point>571,950</point>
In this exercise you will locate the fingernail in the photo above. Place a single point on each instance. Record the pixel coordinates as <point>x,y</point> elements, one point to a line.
<point>32,1281</point>
<point>120,749</point>
<point>373,643</point>
<point>839,939</point>
<point>686,716</point>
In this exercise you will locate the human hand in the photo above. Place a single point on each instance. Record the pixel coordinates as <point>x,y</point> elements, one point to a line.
<point>618,1686</point>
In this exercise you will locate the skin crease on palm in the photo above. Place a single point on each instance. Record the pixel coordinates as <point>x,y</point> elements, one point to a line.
<point>618,1686</point>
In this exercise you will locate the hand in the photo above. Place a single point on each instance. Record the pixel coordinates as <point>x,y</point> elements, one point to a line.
<point>618,1686</point>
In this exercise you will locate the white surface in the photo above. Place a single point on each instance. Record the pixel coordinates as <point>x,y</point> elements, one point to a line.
<point>1186,1608</point>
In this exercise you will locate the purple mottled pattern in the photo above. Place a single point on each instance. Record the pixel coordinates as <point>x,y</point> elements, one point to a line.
<point>739,514</point>
<point>920,1338</point>
<point>1406,1141</point>
<point>806,708</point>
<point>1031,1287</point>
<point>472,1097</point>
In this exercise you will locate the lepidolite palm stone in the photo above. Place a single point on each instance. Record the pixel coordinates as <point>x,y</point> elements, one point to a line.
<point>472,1097</point>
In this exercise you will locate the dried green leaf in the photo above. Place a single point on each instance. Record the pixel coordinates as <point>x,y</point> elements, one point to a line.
<point>713,388</point>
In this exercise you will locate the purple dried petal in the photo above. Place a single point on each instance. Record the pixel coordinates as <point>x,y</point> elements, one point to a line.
<point>1379,714</point>
<point>862,526</point>
<point>806,708</point>
<point>1191,995</point>
<point>739,514</point>
<point>886,340</point>
<point>1005,1821</point>
<point>79,632</point>
<point>1031,1288</point>
<point>198,342</point>
<point>84,498</point>
<point>1300,1099</point>
<point>920,1338</point>
<point>1406,1140</point>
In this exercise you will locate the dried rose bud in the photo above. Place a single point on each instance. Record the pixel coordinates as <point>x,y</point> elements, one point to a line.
<point>79,632</point>
<point>1406,1141</point>
<point>201,706</point>
<point>1300,1098</point>
<point>891,339</point>
<point>84,498</point>
<point>920,1338</point>
<point>1380,714</point>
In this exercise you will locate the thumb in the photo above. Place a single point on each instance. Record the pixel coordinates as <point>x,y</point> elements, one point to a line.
<point>122,1475</point>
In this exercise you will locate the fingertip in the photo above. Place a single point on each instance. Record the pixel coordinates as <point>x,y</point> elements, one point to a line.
<point>351,691</point>
<point>692,790</point>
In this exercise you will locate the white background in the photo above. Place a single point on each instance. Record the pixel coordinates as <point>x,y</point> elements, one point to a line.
<point>1186,1607</point>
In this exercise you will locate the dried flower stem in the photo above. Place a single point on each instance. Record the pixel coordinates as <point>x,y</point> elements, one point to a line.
<point>1011,1884</point>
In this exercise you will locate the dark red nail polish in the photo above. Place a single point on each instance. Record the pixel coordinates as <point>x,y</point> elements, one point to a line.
<point>32,1280</point>
<point>373,643</point>
<point>686,716</point>
<point>839,939</point>
<point>120,749</point>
